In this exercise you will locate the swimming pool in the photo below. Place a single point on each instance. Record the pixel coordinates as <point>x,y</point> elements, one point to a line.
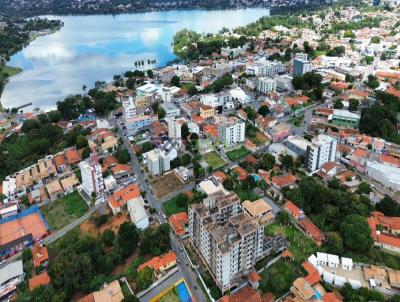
<point>183,292</point>
<point>256,177</point>
<point>317,295</point>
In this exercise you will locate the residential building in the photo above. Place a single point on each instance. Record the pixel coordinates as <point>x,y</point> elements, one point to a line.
<point>179,223</point>
<point>11,275</point>
<point>40,256</point>
<point>266,85</point>
<point>239,95</point>
<point>54,189</point>
<point>139,122</point>
<point>280,132</point>
<point>42,279</point>
<point>161,263</point>
<point>215,100</point>
<point>228,240</point>
<point>266,68</point>
<point>120,198</point>
<point>92,177</point>
<point>171,110</point>
<point>137,212</point>
<point>345,118</point>
<point>301,66</point>
<point>298,144</point>
<point>321,151</point>
<point>111,292</point>
<point>207,112</point>
<point>232,131</point>
<point>129,107</point>
<point>259,209</point>
<point>159,159</point>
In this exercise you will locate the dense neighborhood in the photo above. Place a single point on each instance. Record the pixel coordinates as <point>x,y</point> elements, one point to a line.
<point>262,165</point>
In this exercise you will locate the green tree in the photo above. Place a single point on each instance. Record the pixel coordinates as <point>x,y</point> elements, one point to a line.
<point>338,104</point>
<point>185,131</point>
<point>81,142</point>
<point>372,82</point>
<point>263,110</point>
<point>122,156</point>
<point>287,162</point>
<point>130,298</point>
<point>353,104</point>
<point>364,188</point>
<point>298,82</point>
<point>145,278</point>
<point>150,73</point>
<point>130,83</point>
<point>375,40</point>
<point>267,161</point>
<point>127,239</point>
<point>26,255</point>
<point>175,81</point>
<point>229,184</point>
<point>388,206</point>
<point>356,233</point>
<point>108,237</point>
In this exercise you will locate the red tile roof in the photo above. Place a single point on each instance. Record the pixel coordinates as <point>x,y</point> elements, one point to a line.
<point>242,173</point>
<point>331,297</point>
<point>39,255</point>
<point>220,176</point>
<point>284,180</point>
<point>254,277</point>
<point>159,262</point>
<point>120,168</point>
<point>122,196</point>
<point>246,294</point>
<point>72,156</point>
<point>59,160</point>
<point>211,130</point>
<point>293,209</point>
<point>38,280</point>
<point>178,222</point>
<point>313,230</point>
<point>313,276</point>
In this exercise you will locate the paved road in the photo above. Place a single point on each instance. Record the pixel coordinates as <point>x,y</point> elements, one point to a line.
<point>164,285</point>
<point>187,273</point>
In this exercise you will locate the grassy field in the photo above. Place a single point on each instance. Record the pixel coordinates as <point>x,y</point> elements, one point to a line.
<point>237,153</point>
<point>61,212</point>
<point>300,245</point>
<point>170,296</point>
<point>166,184</point>
<point>11,71</point>
<point>171,207</point>
<point>214,160</point>
<point>245,195</point>
<point>279,277</point>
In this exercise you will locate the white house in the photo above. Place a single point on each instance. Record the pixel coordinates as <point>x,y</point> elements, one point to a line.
<point>138,213</point>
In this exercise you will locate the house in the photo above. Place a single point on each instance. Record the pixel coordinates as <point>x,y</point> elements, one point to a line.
<point>69,183</point>
<point>179,224</point>
<point>293,210</point>
<point>11,275</point>
<point>72,155</point>
<point>240,173</point>
<point>42,279</point>
<point>161,263</point>
<point>312,230</point>
<point>206,112</point>
<point>259,209</point>
<point>119,199</point>
<point>111,292</point>
<point>120,170</point>
<point>137,212</point>
<point>265,123</point>
<point>283,181</point>
<point>219,176</point>
<point>40,256</point>
<point>54,189</point>
<point>384,231</point>
<point>329,170</point>
<point>280,132</point>
<point>245,293</point>
<point>61,163</point>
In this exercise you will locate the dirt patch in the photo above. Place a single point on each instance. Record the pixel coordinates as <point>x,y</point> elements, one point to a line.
<point>261,137</point>
<point>166,184</point>
<point>119,269</point>
<point>113,223</point>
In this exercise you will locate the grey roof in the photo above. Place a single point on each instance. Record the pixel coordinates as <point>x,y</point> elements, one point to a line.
<point>11,271</point>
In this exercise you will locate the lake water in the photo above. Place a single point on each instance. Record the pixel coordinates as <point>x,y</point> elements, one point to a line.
<point>92,48</point>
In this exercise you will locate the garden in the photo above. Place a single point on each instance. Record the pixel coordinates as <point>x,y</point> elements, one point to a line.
<point>214,160</point>
<point>237,153</point>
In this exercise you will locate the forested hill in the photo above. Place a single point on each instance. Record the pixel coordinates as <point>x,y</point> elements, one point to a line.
<point>40,7</point>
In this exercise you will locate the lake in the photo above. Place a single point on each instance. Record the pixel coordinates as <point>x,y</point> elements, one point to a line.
<point>96,47</point>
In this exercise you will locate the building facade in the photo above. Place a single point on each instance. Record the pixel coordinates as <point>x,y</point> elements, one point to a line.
<point>228,240</point>
<point>232,131</point>
<point>92,177</point>
<point>266,85</point>
<point>321,151</point>
<point>301,66</point>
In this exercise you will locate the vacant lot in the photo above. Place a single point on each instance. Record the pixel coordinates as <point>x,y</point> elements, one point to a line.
<point>237,153</point>
<point>112,223</point>
<point>172,206</point>
<point>166,184</point>
<point>61,212</point>
<point>300,245</point>
<point>214,160</point>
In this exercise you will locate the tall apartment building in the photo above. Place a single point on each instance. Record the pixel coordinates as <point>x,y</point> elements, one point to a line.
<point>129,107</point>
<point>267,68</point>
<point>321,151</point>
<point>266,85</point>
<point>301,66</point>
<point>232,131</point>
<point>159,159</point>
<point>228,240</point>
<point>92,177</point>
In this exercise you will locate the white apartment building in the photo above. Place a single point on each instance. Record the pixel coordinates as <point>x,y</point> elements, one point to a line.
<point>266,85</point>
<point>159,160</point>
<point>321,151</point>
<point>228,240</point>
<point>232,131</point>
<point>387,175</point>
<point>129,107</point>
<point>267,68</point>
<point>215,99</point>
<point>92,177</point>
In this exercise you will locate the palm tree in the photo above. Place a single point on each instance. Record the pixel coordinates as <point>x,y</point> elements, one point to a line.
<point>142,63</point>
<point>36,109</point>
<point>135,64</point>
<point>84,89</point>
<point>148,62</point>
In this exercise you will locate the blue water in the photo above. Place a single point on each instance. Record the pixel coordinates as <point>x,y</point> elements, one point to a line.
<point>256,177</point>
<point>183,292</point>
<point>91,48</point>
<point>317,295</point>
